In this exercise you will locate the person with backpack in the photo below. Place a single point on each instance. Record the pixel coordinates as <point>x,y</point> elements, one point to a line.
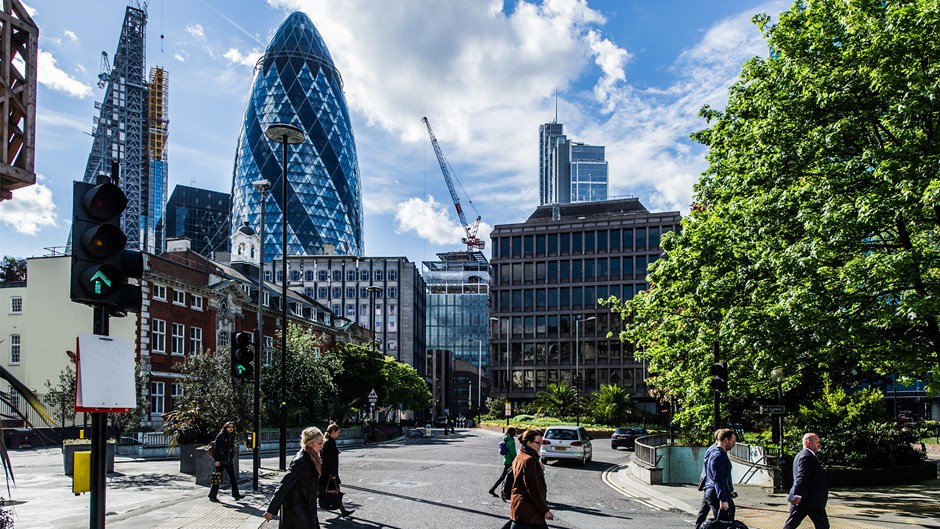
<point>507,449</point>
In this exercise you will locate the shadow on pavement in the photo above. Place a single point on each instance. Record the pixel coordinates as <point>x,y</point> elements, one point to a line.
<point>420,500</point>
<point>584,510</point>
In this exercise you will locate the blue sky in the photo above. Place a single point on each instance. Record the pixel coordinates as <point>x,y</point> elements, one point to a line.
<point>629,74</point>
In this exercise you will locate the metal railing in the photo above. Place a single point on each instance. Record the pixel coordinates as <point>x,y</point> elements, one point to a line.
<point>645,448</point>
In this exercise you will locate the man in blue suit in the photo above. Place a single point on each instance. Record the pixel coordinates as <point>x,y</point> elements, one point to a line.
<point>718,485</point>
<point>810,490</point>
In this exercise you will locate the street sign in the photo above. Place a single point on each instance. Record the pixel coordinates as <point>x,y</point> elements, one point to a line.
<point>401,406</point>
<point>373,397</point>
<point>774,409</point>
<point>508,409</point>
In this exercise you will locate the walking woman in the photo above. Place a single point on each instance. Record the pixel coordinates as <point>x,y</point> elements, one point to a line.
<point>510,454</point>
<point>223,452</point>
<point>528,505</point>
<point>296,496</point>
<point>330,455</point>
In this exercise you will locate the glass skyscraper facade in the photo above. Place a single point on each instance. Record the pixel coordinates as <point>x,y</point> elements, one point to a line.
<point>296,83</point>
<point>569,171</point>
<point>201,216</point>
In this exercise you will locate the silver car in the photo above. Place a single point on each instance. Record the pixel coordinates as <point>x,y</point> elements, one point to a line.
<point>566,442</point>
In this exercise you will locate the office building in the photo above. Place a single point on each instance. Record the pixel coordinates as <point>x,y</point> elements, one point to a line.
<point>569,171</point>
<point>200,215</point>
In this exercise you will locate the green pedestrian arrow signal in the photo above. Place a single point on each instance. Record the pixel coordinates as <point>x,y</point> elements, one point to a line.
<point>241,369</point>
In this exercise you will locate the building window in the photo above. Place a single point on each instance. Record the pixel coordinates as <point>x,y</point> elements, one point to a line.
<point>197,302</point>
<point>266,299</point>
<point>321,275</point>
<point>337,292</point>
<point>179,297</point>
<point>323,292</point>
<point>350,310</point>
<point>392,292</point>
<point>363,275</point>
<point>267,275</point>
<point>337,275</point>
<point>177,339</point>
<point>156,398</point>
<point>392,275</point>
<point>308,275</point>
<point>379,275</point>
<point>280,275</point>
<point>222,339</point>
<point>158,336</point>
<point>14,398</point>
<point>268,352</point>
<point>337,309</point>
<point>15,349</point>
<point>295,275</point>
<point>364,310</point>
<point>350,275</point>
<point>159,292</point>
<point>309,292</point>
<point>176,391</point>
<point>350,292</point>
<point>316,352</point>
<point>16,305</point>
<point>363,293</point>
<point>195,340</point>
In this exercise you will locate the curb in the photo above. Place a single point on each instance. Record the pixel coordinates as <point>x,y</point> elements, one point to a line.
<point>619,479</point>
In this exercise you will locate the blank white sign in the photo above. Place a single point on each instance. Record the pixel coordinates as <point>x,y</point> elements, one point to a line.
<point>105,372</point>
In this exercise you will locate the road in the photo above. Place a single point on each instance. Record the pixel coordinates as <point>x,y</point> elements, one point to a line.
<point>443,482</point>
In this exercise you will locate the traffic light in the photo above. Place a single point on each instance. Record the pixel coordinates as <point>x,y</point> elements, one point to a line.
<point>243,354</point>
<point>720,376</point>
<point>101,265</point>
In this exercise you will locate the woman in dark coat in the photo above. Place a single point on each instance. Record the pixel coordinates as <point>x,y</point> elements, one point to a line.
<point>223,452</point>
<point>528,503</point>
<point>330,456</point>
<point>296,496</point>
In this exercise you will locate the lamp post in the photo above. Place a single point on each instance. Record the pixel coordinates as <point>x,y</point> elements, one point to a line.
<point>263,186</point>
<point>286,135</point>
<point>372,290</point>
<point>577,355</point>
<point>777,376</point>
<point>479,371</point>
<point>508,355</point>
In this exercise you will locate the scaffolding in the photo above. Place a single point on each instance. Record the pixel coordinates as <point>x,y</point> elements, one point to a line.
<point>19,48</point>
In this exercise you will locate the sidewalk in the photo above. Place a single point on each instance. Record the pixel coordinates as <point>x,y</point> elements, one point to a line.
<point>856,508</point>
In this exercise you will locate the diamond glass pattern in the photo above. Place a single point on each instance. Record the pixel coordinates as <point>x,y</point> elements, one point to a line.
<point>296,83</point>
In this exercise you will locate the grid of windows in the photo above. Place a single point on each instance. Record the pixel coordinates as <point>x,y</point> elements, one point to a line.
<point>158,336</point>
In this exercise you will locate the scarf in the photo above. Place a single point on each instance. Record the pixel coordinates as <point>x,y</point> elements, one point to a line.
<point>315,457</point>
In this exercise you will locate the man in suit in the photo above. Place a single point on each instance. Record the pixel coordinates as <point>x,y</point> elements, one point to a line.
<point>810,490</point>
<point>718,485</point>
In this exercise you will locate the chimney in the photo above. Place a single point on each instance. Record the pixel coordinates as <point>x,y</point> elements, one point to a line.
<point>178,244</point>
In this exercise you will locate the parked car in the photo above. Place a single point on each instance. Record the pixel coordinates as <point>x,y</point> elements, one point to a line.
<point>626,437</point>
<point>566,442</point>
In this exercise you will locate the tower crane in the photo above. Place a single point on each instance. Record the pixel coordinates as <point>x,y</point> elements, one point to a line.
<point>471,240</point>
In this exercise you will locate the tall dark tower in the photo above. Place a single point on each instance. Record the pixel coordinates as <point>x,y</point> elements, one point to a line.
<point>296,83</point>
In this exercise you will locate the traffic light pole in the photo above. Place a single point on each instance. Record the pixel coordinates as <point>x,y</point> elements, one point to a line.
<point>717,403</point>
<point>99,440</point>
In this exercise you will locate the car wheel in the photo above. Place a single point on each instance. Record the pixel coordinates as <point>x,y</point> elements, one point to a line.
<point>613,447</point>
<point>583,458</point>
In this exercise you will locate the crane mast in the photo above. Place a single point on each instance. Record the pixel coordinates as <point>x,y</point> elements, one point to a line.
<point>471,240</point>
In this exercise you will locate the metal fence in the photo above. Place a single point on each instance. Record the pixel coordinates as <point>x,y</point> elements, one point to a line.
<point>645,451</point>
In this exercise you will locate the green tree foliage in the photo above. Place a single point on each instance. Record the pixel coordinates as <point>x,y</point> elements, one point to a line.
<point>61,397</point>
<point>12,269</point>
<point>812,243</point>
<point>611,404</point>
<point>558,400</point>
<point>403,385</point>
<point>354,381</point>
<point>210,398</point>
<point>311,379</point>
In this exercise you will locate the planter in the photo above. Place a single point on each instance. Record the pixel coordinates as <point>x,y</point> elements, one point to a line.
<point>188,457</point>
<point>858,477</point>
<point>68,456</point>
<point>205,466</point>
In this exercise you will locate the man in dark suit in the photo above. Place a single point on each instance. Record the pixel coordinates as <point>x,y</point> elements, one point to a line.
<point>810,491</point>
<point>717,484</point>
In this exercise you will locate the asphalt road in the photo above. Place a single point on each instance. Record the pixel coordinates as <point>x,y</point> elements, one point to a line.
<point>443,482</point>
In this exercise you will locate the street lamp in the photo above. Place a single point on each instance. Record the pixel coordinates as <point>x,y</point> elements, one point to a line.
<point>508,355</point>
<point>479,370</point>
<point>777,376</point>
<point>577,354</point>
<point>372,290</point>
<point>286,135</point>
<point>263,186</point>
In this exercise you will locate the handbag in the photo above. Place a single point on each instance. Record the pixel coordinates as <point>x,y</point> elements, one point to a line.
<point>331,498</point>
<point>216,478</point>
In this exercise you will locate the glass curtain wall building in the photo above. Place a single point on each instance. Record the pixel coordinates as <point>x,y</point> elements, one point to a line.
<point>297,83</point>
<point>201,216</point>
<point>569,171</point>
<point>458,304</point>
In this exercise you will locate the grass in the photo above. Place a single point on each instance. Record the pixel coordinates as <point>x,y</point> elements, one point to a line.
<point>929,440</point>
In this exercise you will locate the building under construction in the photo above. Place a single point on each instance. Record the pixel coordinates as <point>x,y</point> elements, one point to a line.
<point>130,133</point>
<point>19,46</point>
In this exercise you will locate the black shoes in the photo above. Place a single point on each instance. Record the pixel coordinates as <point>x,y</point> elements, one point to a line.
<point>346,514</point>
<point>214,499</point>
<point>493,493</point>
<point>238,496</point>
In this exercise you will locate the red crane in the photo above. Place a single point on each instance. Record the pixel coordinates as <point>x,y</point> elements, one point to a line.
<point>471,240</point>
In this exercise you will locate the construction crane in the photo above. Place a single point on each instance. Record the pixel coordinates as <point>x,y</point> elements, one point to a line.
<point>104,74</point>
<point>471,240</point>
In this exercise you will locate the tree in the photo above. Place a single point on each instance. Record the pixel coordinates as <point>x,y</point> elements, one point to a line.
<point>812,243</point>
<point>12,269</point>
<point>558,400</point>
<point>61,397</point>
<point>611,405</point>
<point>403,386</point>
<point>355,379</point>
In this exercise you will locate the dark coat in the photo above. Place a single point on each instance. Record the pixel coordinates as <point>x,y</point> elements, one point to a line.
<point>330,456</point>
<point>296,496</point>
<point>718,473</point>
<point>528,503</point>
<point>223,448</point>
<point>809,481</point>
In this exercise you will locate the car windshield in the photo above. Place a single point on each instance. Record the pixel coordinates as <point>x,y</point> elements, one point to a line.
<point>562,435</point>
<point>622,430</point>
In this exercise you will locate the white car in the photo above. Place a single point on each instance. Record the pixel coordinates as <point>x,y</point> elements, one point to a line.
<point>566,442</point>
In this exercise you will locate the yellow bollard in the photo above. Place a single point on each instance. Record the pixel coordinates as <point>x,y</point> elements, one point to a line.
<point>81,473</point>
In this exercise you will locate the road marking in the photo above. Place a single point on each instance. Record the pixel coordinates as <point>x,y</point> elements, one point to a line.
<point>606,477</point>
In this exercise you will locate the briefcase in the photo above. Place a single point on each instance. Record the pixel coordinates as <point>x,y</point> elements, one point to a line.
<point>723,524</point>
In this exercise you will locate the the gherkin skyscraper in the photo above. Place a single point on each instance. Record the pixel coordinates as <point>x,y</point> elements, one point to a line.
<point>296,83</point>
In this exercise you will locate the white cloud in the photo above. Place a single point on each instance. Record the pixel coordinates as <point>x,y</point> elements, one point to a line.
<point>71,35</point>
<point>429,220</point>
<point>197,31</point>
<point>56,79</point>
<point>247,59</point>
<point>180,56</point>
<point>30,210</point>
<point>611,59</point>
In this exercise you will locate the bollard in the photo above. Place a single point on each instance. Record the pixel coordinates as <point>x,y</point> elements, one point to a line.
<point>81,472</point>
<point>427,430</point>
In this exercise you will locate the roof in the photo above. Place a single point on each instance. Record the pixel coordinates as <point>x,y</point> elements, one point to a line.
<point>576,210</point>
